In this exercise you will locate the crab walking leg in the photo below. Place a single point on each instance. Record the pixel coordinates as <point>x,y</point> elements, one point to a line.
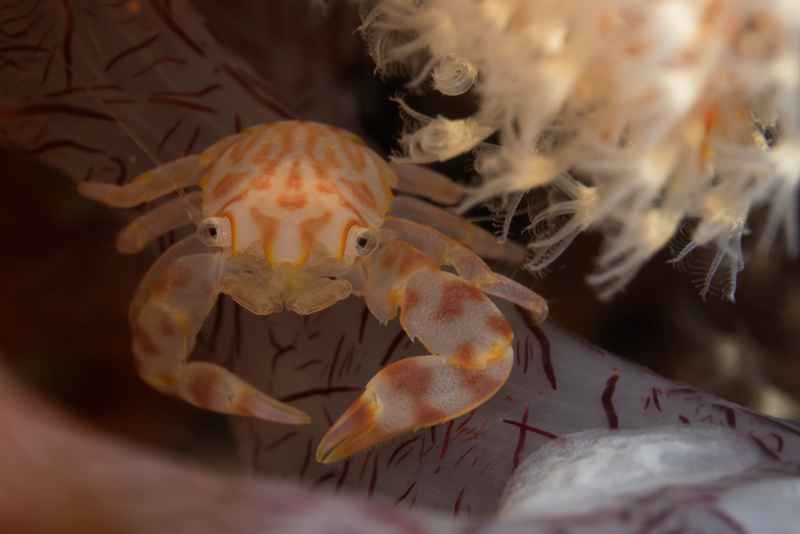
<point>468,337</point>
<point>476,238</point>
<point>468,265</point>
<point>169,216</point>
<point>155,183</point>
<point>168,310</point>
<point>427,183</point>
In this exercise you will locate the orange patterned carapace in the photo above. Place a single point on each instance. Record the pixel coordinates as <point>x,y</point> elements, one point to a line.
<point>295,215</point>
<point>297,190</point>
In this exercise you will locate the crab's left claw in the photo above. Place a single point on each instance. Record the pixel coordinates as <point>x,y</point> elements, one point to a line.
<point>170,306</point>
<point>471,359</point>
<point>408,395</point>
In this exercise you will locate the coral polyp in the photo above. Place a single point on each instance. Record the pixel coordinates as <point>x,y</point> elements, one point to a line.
<point>661,109</point>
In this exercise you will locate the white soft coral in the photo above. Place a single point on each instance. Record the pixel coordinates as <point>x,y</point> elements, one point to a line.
<point>654,104</point>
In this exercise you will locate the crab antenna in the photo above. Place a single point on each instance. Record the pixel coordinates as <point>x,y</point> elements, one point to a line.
<point>131,135</point>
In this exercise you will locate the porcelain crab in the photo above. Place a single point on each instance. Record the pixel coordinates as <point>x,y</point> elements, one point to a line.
<point>301,215</point>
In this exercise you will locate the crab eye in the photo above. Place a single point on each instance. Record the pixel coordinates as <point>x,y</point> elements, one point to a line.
<point>366,242</point>
<point>215,232</point>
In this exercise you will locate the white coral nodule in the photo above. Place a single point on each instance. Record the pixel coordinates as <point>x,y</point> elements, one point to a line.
<point>642,113</point>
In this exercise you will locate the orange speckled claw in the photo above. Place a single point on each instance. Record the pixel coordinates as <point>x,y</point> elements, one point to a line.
<point>411,394</point>
<point>469,340</point>
<point>170,306</point>
<point>214,388</point>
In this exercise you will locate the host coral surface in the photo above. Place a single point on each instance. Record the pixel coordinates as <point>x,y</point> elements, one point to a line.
<point>661,125</point>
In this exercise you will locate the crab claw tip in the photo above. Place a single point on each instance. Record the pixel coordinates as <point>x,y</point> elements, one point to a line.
<point>268,409</point>
<point>354,431</point>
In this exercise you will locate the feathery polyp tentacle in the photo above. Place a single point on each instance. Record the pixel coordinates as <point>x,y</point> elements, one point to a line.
<point>471,358</point>
<point>440,139</point>
<point>630,248</point>
<point>783,206</point>
<point>551,241</point>
<point>516,171</point>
